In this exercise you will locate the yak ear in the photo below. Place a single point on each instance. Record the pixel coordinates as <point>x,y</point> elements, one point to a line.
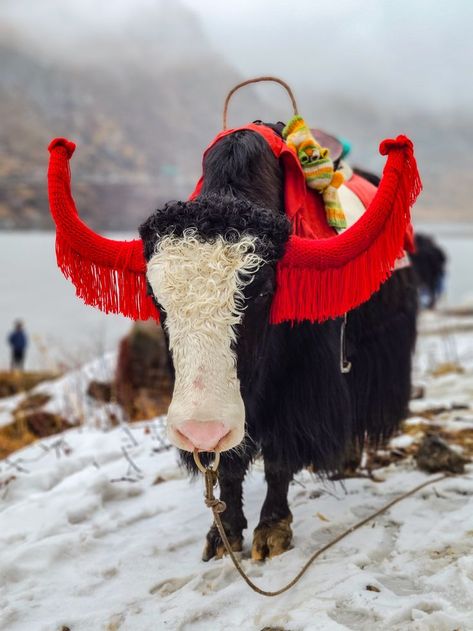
<point>107,274</point>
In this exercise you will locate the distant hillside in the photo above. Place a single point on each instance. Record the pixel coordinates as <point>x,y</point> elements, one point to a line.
<point>142,98</point>
<point>141,120</point>
<point>442,142</point>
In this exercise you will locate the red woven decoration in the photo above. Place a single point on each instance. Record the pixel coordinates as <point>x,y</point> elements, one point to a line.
<point>318,278</point>
<point>107,274</point>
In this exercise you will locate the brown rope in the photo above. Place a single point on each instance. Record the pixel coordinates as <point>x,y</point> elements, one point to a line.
<point>257,80</point>
<point>218,506</point>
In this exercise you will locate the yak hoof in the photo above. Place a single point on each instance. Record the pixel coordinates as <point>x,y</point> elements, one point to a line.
<point>271,538</point>
<point>214,546</point>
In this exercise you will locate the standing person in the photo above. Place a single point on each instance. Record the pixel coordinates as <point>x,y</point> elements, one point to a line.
<point>18,342</point>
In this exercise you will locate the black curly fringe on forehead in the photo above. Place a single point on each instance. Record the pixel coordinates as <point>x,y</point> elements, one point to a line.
<point>215,216</point>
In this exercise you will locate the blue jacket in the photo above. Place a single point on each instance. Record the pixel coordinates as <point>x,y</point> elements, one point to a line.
<point>18,341</point>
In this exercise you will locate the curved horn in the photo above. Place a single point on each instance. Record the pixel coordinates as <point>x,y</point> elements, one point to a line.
<point>107,274</point>
<point>321,279</point>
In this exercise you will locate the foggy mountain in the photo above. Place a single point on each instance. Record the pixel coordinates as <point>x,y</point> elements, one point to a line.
<point>140,88</point>
<point>140,111</point>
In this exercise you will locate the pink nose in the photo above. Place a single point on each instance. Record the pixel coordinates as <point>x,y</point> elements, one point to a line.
<point>204,435</point>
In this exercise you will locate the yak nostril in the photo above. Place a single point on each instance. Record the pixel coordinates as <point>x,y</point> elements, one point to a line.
<point>204,435</point>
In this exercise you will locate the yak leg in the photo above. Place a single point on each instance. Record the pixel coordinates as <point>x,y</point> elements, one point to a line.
<point>273,534</point>
<point>230,480</point>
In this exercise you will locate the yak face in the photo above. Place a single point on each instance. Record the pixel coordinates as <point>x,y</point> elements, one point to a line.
<point>210,262</point>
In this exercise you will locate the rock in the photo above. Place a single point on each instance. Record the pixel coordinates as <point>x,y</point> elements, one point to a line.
<point>144,379</point>
<point>100,391</point>
<point>43,424</point>
<point>29,423</point>
<point>435,455</point>
<point>38,422</point>
<point>417,392</point>
<point>28,426</point>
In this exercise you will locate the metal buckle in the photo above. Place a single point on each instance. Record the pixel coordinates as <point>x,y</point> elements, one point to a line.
<point>212,467</point>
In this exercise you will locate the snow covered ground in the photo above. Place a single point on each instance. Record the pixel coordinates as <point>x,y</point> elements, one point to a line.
<point>102,531</point>
<point>68,394</point>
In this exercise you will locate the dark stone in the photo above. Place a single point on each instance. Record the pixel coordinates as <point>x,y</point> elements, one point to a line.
<point>43,424</point>
<point>435,455</point>
<point>417,392</point>
<point>100,391</point>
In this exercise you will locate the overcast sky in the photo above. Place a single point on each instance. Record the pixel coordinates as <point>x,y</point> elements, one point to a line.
<point>422,47</point>
<point>418,52</point>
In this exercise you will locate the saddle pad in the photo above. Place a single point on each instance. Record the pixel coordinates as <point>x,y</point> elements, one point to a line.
<point>354,206</point>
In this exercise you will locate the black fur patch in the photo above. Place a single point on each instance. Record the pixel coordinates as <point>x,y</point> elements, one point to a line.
<point>243,166</point>
<point>429,263</point>
<point>215,216</point>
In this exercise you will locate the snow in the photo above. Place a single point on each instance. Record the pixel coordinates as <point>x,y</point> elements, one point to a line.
<point>100,529</point>
<point>69,394</point>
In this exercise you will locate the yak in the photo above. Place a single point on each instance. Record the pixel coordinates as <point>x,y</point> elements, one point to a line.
<point>247,383</point>
<point>429,262</point>
<point>247,387</point>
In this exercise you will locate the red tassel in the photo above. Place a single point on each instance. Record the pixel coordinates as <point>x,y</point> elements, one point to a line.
<point>325,279</point>
<point>111,290</point>
<point>316,279</point>
<point>107,274</point>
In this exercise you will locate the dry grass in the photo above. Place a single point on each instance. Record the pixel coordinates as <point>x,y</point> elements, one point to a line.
<point>29,423</point>
<point>14,382</point>
<point>446,368</point>
<point>12,437</point>
<point>460,437</point>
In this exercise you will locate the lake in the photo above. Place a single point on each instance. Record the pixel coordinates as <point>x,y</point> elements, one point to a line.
<point>62,329</point>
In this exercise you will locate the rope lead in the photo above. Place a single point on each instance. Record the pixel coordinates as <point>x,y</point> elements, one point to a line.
<point>217,506</point>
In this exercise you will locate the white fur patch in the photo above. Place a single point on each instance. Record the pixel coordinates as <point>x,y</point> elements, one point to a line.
<point>200,286</point>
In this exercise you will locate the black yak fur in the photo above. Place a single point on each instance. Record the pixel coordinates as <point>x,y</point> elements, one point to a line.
<point>429,262</point>
<point>300,409</point>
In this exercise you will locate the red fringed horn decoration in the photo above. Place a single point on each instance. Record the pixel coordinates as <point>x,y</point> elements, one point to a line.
<point>107,274</point>
<point>317,279</point>
<point>321,279</point>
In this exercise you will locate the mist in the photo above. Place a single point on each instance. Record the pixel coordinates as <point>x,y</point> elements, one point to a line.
<point>415,52</point>
<point>132,78</point>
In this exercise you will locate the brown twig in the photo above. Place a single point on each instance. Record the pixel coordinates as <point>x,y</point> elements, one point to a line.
<point>217,507</point>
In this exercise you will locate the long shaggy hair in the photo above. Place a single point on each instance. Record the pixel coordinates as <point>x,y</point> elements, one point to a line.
<point>429,262</point>
<point>300,409</point>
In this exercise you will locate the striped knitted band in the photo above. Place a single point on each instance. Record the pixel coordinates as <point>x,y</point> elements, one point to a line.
<point>318,168</point>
